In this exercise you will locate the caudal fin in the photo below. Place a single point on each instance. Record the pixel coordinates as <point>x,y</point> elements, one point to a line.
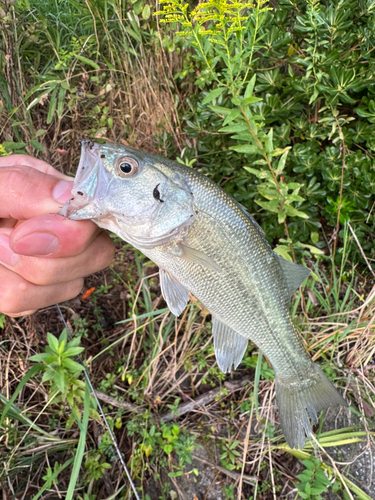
<point>299,402</point>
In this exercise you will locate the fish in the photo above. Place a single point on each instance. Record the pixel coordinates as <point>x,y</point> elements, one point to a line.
<point>205,243</point>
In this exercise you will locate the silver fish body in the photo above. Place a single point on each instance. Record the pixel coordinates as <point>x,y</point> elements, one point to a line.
<point>205,243</point>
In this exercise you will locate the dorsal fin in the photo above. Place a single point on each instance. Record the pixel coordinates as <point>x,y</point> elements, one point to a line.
<point>229,346</point>
<point>175,295</point>
<point>294,274</point>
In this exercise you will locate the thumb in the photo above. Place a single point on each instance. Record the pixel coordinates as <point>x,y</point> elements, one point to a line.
<point>27,192</point>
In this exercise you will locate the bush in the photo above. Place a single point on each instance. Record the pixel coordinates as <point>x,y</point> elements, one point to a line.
<point>284,112</point>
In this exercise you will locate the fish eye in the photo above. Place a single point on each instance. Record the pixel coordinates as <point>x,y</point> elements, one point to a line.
<point>127,166</point>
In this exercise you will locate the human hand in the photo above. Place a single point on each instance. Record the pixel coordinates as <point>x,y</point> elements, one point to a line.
<point>43,256</point>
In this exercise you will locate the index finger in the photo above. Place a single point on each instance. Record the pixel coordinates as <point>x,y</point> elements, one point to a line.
<point>30,161</point>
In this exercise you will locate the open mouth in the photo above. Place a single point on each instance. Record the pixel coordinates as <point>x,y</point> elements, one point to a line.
<point>87,184</point>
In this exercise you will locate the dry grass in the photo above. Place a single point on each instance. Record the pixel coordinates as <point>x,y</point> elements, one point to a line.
<point>149,363</point>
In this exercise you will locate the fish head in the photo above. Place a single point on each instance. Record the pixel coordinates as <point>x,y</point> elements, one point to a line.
<point>131,193</point>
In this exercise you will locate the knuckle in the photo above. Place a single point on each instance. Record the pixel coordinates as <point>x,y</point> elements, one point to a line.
<point>74,288</point>
<point>14,299</point>
<point>40,271</point>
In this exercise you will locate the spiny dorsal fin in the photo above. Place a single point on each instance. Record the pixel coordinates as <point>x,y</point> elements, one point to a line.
<point>175,295</point>
<point>294,274</point>
<point>229,346</point>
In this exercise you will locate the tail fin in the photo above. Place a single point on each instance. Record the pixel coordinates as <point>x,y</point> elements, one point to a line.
<point>300,401</point>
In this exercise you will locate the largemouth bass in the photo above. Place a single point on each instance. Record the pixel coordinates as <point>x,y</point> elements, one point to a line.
<point>206,243</point>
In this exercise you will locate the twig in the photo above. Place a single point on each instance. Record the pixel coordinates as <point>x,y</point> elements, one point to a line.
<point>343,166</point>
<point>118,404</point>
<point>203,399</point>
<point>361,250</point>
<point>234,475</point>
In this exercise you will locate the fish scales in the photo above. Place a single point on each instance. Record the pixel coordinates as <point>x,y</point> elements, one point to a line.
<point>205,243</point>
<point>236,296</point>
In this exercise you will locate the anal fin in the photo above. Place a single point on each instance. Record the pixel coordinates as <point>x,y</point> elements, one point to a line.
<point>229,346</point>
<point>175,295</point>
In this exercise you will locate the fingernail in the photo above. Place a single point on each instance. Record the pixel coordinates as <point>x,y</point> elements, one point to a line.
<point>36,244</point>
<point>7,257</point>
<point>61,192</point>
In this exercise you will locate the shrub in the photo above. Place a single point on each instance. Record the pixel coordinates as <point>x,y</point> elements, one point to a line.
<point>284,112</point>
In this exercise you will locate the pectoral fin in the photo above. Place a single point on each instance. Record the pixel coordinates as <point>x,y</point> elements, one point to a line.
<point>229,346</point>
<point>193,255</point>
<point>294,274</point>
<point>175,295</point>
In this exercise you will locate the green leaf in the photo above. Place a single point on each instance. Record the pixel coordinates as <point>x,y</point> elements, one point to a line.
<point>53,342</point>
<point>308,464</point>
<point>281,164</point>
<point>146,12</point>
<point>80,448</point>
<point>220,110</point>
<point>11,146</point>
<point>283,251</point>
<point>317,490</point>
<point>303,495</point>
<point>272,206</point>
<point>72,365</point>
<point>250,100</point>
<point>74,342</point>
<point>232,116</point>
<point>87,61</point>
<point>314,236</point>
<point>292,212</point>
<point>269,141</point>
<point>235,127</point>
<point>213,95</point>
<point>250,87</point>
<point>64,337</point>
<point>254,171</point>
<point>247,149</point>
<point>60,379</point>
<point>281,216</point>
<point>313,250</point>
<point>36,144</point>
<point>48,375</point>
<point>44,357</point>
<point>72,351</point>
<point>52,106</point>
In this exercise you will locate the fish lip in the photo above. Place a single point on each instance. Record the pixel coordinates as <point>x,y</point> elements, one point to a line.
<point>89,165</point>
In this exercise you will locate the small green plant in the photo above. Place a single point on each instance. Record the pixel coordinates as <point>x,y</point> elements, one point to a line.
<point>95,466</point>
<point>314,482</point>
<point>229,456</point>
<point>60,369</point>
<point>62,373</point>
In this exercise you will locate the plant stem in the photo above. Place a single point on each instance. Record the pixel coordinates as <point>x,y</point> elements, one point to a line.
<point>259,144</point>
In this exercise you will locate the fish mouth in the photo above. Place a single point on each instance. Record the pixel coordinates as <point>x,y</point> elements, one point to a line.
<point>91,178</point>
